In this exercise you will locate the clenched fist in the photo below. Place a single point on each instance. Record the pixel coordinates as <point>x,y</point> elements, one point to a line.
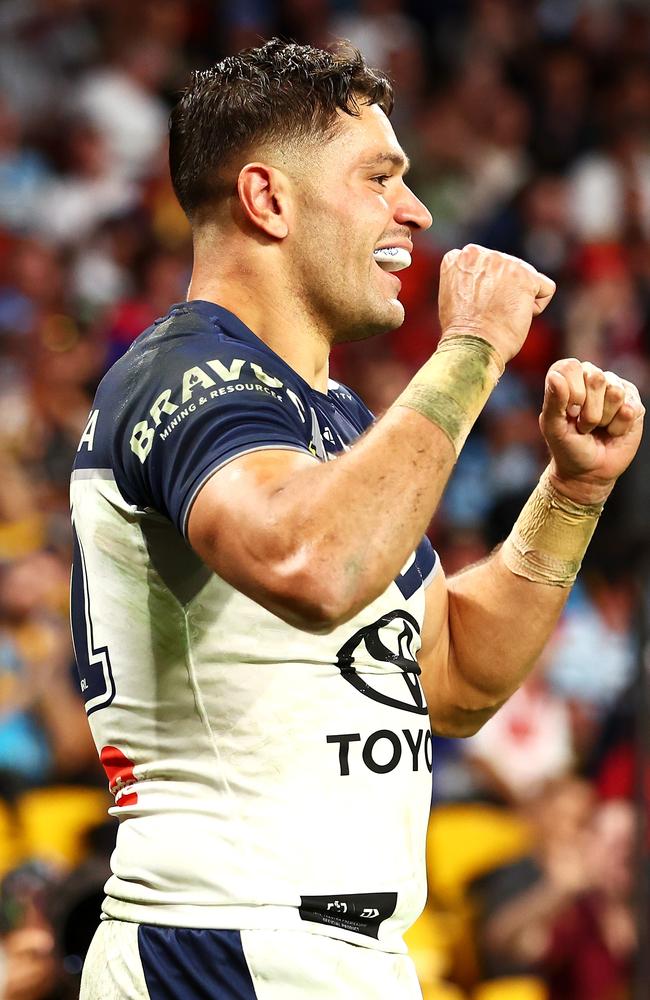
<point>592,422</point>
<point>491,295</point>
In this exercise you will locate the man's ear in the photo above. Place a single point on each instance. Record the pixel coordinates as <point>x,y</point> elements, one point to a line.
<point>264,198</point>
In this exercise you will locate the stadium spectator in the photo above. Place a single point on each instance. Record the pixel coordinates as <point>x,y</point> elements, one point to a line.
<point>565,912</point>
<point>89,191</point>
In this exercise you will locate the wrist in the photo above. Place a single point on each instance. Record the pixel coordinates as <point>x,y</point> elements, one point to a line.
<point>581,490</point>
<point>473,330</point>
<point>452,387</point>
<point>550,537</point>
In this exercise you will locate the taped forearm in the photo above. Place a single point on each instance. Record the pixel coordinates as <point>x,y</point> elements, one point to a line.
<point>453,386</point>
<point>550,537</point>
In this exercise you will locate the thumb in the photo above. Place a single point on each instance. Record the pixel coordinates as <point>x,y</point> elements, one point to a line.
<point>545,293</point>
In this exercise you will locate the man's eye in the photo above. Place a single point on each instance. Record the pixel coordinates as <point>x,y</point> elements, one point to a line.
<point>381,179</point>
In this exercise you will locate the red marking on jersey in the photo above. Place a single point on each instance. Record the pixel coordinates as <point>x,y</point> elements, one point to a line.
<point>119,771</point>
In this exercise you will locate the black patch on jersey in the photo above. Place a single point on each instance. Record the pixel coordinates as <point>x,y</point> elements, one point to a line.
<point>359,912</point>
<point>404,659</point>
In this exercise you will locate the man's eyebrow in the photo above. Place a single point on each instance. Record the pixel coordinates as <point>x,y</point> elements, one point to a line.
<point>399,160</point>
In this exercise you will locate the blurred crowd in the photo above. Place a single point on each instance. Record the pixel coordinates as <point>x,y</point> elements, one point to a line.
<point>528,126</point>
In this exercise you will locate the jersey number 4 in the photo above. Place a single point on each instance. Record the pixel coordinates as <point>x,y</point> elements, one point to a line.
<point>93,661</point>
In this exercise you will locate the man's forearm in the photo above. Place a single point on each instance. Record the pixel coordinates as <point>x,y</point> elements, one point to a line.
<point>502,611</point>
<point>500,614</point>
<point>353,522</point>
<point>495,626</point>
<point>499,623</point>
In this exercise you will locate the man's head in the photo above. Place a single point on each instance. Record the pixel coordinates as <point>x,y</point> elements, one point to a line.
<point>279,95</point>
<point>291,147</point>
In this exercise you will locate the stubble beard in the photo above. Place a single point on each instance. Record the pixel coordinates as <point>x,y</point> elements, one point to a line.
<point>340,291</point>
<point>377,315</point>
<point>349,308</point>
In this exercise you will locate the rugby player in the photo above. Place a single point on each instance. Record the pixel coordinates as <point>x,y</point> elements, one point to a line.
<point>264,635</point>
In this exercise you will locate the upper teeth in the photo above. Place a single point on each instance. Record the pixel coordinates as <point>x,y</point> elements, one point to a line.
<point>392,258</point>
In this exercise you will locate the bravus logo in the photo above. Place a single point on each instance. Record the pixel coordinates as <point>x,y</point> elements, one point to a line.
<point>390,639</point>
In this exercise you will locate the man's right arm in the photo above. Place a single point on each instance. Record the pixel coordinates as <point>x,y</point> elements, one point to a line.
<point>315,543</point>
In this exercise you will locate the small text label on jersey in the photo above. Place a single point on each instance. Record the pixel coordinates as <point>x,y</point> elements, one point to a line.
<point>359,912</point>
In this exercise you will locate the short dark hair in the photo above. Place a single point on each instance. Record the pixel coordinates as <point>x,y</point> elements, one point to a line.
<point>278,91</point>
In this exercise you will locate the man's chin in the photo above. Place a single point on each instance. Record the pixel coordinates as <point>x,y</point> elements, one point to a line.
<point>389,317</point>
<point>399,313</point>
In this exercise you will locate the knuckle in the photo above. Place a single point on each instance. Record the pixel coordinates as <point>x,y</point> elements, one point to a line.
<point>568,366</point>
<point>518,267</point>
<point>524,270</point>
<point>571,368</point>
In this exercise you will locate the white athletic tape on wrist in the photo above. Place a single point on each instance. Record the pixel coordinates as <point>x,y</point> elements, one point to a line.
<point>550,537</point>
<point>453,386</point>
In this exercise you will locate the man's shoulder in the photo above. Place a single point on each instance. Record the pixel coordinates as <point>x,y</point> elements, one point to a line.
<point>193,391</point>
<point>183,353</point>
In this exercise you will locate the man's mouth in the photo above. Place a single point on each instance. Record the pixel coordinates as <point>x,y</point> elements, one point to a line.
<point>392,258</point>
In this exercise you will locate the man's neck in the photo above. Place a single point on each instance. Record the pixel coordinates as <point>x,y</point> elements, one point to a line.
<point>277,319</point>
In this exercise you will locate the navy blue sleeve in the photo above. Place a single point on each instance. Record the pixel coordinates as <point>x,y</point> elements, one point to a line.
<point>427,560</point>
<point>203,405</point>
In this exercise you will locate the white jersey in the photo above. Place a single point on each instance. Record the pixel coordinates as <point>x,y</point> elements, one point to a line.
<point>263,777</point>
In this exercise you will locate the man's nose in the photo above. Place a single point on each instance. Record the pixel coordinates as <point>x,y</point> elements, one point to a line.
<point>411,212</point>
